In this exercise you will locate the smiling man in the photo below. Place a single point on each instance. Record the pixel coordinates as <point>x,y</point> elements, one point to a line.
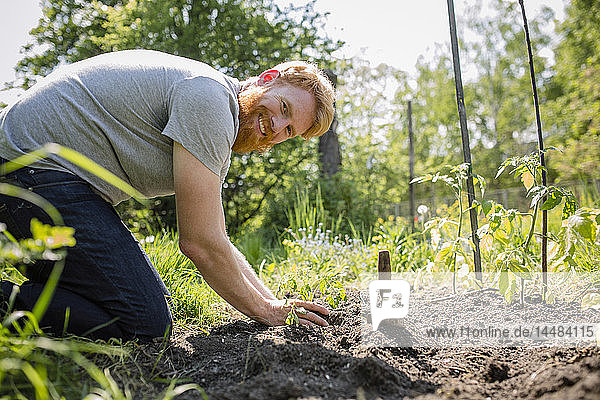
<point>164,124</point>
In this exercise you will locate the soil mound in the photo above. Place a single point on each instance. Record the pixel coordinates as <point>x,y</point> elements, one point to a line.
<point>246,360</point>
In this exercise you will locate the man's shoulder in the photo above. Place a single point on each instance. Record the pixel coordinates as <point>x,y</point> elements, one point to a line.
<point>213,93</point>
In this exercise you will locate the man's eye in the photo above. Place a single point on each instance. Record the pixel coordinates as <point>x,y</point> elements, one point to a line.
<point>284,107</point>
<point>289,129</point>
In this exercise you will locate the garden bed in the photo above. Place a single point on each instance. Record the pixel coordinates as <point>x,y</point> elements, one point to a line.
<point>246,360</point>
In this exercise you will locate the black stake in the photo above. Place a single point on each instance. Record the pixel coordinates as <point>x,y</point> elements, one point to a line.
<point>462,115</point>
<point>384,265</point>
<point>538,121</point>
<point>411,163</point>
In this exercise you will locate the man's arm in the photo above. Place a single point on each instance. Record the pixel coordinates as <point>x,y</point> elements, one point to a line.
<point>249,273</point>
<point>203,238</point>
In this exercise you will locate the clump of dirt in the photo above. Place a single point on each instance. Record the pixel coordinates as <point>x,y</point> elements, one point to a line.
<point>246,360</point>
<point>496,372</point>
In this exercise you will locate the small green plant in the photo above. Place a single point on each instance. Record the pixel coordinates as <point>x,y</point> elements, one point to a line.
<point>520,259</point>
<point>455,177</point>
<point>506,235</point>
<point>529,170</point>
<point>292,317</point>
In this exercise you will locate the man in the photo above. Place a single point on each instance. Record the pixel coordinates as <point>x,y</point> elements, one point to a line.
<point>164,124</point>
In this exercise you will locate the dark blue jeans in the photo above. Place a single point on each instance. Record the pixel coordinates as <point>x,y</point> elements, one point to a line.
<point>107,276</point>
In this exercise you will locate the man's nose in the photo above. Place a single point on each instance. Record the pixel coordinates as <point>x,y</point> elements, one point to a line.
<point>280,128</point>
<point>280,123</point>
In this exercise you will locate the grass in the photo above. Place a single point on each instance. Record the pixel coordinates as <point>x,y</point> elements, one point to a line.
<point>193,301</point>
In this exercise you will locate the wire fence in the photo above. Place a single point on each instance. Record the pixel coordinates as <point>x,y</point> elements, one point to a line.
<point>511,197</point>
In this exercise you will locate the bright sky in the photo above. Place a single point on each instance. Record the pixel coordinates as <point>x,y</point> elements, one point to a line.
<point>395,32</point>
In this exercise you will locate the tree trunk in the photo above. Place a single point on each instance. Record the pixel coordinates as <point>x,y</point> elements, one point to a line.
<point>329,145</point>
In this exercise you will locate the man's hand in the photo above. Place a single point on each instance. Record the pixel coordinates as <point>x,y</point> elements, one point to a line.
<point>305,310</point>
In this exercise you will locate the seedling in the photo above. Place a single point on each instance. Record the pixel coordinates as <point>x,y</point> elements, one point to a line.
<point>292,317</point>
<point>520,259</point>
<point>455,178</point>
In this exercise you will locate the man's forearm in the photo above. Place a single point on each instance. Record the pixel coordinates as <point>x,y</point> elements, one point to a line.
<point>222,269</point>
<point>249,273</point>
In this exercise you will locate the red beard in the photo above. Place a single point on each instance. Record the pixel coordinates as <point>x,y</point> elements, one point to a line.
<point>248,139</point>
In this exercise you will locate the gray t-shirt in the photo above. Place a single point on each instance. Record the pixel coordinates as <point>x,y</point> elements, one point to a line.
<point>124,110</point>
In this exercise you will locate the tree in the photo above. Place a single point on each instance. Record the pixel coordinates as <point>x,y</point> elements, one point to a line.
<point>330,158</point>
<point>370,131</point>
<point>238,37</point>
<point>501,104</point>
<point>575,104</point>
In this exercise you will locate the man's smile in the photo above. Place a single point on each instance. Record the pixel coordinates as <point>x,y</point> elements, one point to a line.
<point>261,125</point>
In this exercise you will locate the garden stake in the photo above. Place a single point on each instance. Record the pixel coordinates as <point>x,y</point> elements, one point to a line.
<point>462,114</point>
<point>411,163</point>
<point>384,266</point>
<point>538,121</point>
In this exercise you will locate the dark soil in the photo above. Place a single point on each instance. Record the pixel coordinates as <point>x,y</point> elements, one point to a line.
<point>246,360</point>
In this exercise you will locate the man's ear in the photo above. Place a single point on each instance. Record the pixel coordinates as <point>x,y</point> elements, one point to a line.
<point>267,77</point>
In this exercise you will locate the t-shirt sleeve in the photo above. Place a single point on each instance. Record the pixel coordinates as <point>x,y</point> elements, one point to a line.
<point>203,119</point>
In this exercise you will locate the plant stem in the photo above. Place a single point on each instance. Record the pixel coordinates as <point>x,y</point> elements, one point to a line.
<point>532,228</point>
<point>460,218</point>
<point>527,242</point>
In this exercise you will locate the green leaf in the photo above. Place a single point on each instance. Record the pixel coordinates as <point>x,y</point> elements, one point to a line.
<point>503,282</point>
<point>570,207</point>
<point>552,148</point>
<point>519,269</point>
<point>583,226</point>
<point>552,200</point>
<point>537,193</point>
<point>486,206</point>
<point>528,180</point>
<point>53,237</point>
<point>444,251</point>
<point>421,179</point>
<point>483,230</point>
<point>502,168</point>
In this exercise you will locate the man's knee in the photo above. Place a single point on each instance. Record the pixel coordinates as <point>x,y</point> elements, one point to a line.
<point>157,322</point>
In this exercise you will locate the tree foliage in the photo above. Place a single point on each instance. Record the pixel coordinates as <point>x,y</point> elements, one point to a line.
<point>243,37</point>
<point>501,105</point>
<point>370,130</point>
<point>575,105</point>
<point>238,37</point>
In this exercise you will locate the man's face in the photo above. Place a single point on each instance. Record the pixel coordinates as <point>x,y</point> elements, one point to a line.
<point>271,114</point>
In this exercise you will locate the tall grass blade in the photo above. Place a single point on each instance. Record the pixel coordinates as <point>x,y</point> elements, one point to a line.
<point>77,159</point>
<point>15,191</point>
